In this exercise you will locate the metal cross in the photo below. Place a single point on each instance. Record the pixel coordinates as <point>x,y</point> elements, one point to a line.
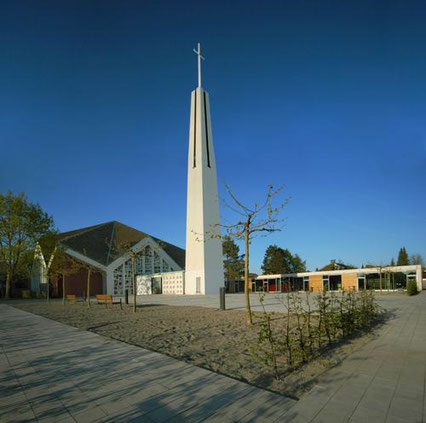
<point>198,53</point>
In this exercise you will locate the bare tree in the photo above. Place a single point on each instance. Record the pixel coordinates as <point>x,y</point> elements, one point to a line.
<point>47,247</point>
<point>416,259</point>
<point>89,269</point>
<point>384,271</point>
<point>380,267</point>
<point>62,265</point>
<point>59,263</point>
<point>133,253</point>
<point>259,218</point>
<point>49,274</point>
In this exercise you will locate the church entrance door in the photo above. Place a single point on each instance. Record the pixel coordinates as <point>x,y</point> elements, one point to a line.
<point>157,285</point>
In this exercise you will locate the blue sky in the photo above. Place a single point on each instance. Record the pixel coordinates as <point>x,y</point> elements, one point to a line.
<point>325,97</point>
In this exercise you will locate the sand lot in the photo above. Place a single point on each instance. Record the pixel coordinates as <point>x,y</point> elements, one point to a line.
<point>210,338</point>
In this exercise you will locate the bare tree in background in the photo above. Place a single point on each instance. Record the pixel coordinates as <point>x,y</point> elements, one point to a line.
<point>384,271</point>
<point>260,218</point>
<point>62,265</point>
<point>416,259</point>
<point>129,248</point>
<point>89,269</point>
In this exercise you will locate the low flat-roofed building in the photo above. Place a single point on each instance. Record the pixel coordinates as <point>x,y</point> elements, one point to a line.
<point>389,278</point>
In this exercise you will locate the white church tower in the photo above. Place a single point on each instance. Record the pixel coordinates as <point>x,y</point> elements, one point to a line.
<point>204,260</point>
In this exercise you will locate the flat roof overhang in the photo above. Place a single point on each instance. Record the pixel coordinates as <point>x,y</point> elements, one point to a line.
<point>410,268</point>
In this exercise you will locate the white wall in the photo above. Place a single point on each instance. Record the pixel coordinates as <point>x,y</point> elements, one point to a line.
<point>173,283</point>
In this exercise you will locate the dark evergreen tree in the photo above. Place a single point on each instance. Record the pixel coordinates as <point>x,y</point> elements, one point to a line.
<point>273,262</point>
<point>403,259</point>
<point>299,265</point>
<point>278,261</point>
<point>233,262</point>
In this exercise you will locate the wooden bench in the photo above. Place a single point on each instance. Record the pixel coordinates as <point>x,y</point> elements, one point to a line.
<point>105,299</point>
<point>72,298</point>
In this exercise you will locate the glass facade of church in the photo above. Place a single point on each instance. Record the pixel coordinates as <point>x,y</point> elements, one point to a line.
<point>147,262</point>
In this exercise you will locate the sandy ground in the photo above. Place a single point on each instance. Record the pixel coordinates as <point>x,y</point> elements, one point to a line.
<point>209,338</point>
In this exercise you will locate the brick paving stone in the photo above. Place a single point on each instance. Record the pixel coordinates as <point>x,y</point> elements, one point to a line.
<point>332,414</point>
<point>359,380</point>
<point>392,419</point>
<point>227,415</point>
<point>126,415</point>
<point>305,410</point>
<point>256,417</point>
<point>89,414</point>
<point>368,415</point>
<point>195,414</point>
<point>408,409</point>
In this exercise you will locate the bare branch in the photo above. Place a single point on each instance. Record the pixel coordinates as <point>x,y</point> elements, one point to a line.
<point>228,206</point>
<point>259,219</point>
<point>245,208</point>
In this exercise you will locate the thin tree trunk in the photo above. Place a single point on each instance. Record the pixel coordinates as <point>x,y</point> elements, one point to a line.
<point>63,289</point>
<point>134,284</point>
<point>47,290</point>
<point>8,285</point>
<point>249,318</point>
<point>89,271</point>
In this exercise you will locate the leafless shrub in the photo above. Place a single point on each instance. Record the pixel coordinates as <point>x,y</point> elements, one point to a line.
<point>305,331</point>
<point>266,347</point>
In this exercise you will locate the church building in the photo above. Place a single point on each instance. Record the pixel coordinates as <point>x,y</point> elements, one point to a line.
<point>105,248</point>
<point>160,267</point>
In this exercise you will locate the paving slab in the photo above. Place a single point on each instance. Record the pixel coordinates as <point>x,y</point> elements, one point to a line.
<point>384,381</point>
<point>51,372</point>
<point>43,360</point>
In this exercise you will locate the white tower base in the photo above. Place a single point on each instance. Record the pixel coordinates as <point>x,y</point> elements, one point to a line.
<point>204,260</point>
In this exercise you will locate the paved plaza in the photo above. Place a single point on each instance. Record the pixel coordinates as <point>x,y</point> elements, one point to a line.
<point>50,372</point>
<point>384,381</point>
<point>272,302</point>
<point>53,372</point>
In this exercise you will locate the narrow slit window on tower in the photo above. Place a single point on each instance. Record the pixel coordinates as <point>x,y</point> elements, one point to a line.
<point>195,130</point>
<point>207,130</point>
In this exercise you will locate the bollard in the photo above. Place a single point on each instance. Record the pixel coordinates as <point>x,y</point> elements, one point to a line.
<point>126,296</point>
<point>222,298</point>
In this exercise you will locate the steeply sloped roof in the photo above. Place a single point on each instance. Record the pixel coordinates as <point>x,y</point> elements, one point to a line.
<point>105,242</point>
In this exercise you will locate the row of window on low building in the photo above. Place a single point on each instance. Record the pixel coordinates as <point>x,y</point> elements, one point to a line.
<point>357,281</point>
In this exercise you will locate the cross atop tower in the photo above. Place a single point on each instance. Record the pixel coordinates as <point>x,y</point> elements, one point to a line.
<point>204,258</point>
<point>198,53</point>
